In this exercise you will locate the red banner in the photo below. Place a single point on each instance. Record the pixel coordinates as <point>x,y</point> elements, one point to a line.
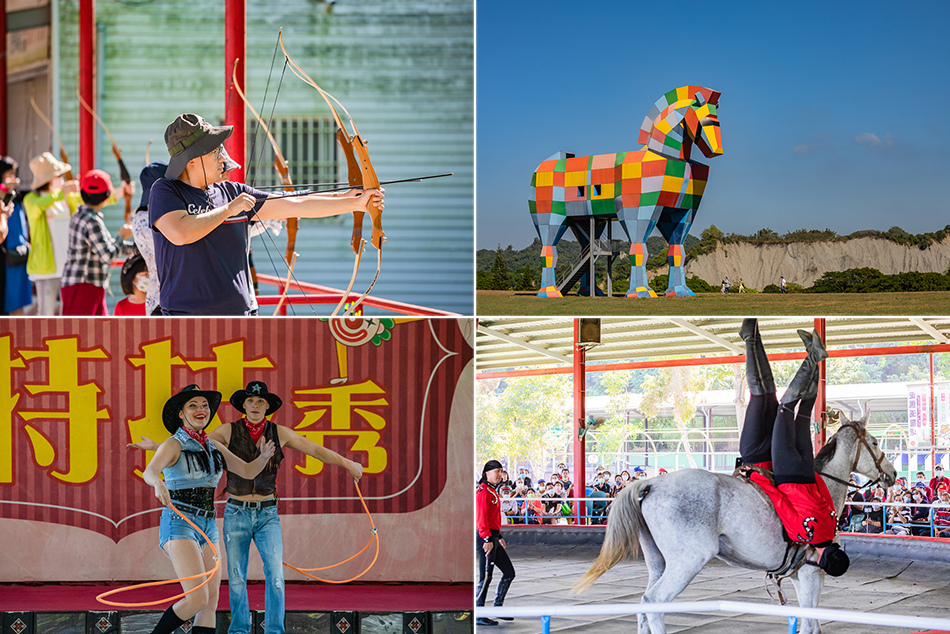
<point>73,393</point>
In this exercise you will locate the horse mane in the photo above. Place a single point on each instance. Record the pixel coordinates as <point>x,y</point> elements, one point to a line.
<point>677,95</point>
<point>827,452</point>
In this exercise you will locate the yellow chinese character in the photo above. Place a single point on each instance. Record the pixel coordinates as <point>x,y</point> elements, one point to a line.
<point>8,401</point>
<point>82,413</point>
<point>342,403</point>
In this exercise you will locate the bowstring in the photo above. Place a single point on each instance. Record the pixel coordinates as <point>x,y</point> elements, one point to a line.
<point>271,126</point>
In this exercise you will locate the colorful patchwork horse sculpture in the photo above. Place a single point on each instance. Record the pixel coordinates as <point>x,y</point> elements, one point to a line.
<point>658,186</point>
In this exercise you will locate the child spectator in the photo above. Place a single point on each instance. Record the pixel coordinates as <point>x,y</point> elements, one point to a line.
<point>135,285</point>
<point>92,247</point>
<point>18,293</point>
<point>874,517</point>
<point>48,208</point>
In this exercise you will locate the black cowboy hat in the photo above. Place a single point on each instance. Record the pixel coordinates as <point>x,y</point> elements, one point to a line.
<point>259,389</point>
<point>173,405</point>
<point>190,136</point>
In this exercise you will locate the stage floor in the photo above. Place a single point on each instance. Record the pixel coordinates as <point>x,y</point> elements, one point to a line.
<point>305,597</point>
<point>545,574</point>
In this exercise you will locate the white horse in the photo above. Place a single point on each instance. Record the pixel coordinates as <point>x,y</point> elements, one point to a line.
<point>685,518</point>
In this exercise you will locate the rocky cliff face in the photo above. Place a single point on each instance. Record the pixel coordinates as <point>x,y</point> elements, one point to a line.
<point>803,263</point>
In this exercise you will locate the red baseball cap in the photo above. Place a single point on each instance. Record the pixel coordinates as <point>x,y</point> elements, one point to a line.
<point>96,181</point>
<point>942,487</point>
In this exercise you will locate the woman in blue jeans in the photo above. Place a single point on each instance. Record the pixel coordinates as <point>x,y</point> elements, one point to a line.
<point>251,511</point>
<point>192,465</point>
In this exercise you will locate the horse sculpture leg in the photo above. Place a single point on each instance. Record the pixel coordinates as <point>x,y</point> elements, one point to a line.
<point>638,224</point>
<point>674,224</point>
<point>550,228</point>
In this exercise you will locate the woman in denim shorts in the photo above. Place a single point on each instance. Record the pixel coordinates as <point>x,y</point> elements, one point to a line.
<point>192,465</point>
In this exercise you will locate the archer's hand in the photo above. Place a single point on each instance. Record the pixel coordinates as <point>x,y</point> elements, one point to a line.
<point>146,443</point>
<point>371,200</point>
<point>355,469</point>
<point>487,546</point>
<point>244,202</point>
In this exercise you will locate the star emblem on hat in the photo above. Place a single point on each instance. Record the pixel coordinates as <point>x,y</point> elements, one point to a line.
<point>255,388</point>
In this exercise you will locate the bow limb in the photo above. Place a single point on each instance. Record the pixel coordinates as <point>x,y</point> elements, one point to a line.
<point>62,150</point>
<point>280,164</point>
<point>123,171</point>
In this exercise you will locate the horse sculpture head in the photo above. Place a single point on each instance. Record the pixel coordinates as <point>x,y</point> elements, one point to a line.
<point>681,118</point>
<point>868,458</point>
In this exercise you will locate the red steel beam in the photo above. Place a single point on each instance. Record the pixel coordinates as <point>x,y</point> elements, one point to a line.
<point>678,363</point>
<point>87,82</point>
<point>235,48</point>
<point>821,399</point>
<point>580,416</point>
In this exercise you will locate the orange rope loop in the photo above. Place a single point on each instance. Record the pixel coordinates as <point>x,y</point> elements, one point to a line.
<point>374,538</point>
<point>209,574</point>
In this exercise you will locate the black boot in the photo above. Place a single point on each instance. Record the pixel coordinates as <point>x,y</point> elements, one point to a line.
<point>503,586</point>
<point>484,620</point>
<point>804,385</point>
<point>168,622</point>
<point>202,629</point>
<point>758,372</point>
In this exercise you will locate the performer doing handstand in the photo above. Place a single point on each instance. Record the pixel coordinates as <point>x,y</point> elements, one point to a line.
<point>777,438</point>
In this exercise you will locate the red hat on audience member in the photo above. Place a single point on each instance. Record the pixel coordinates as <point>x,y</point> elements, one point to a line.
<point>96,181</point>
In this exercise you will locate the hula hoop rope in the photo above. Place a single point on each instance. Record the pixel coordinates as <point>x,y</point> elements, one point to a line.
<point>374,537</point>
<point>209,575</point>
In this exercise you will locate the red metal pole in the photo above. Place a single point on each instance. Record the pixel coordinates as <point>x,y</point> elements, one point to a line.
<point>933,422</point>
<point>580,415</point>
<point>235,45</point>
<point>821,402</point>
<point>3,78</point>
<point>87,82</point>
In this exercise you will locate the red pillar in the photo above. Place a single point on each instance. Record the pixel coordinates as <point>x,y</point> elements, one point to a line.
<point>821,401</point>
<point>933,416</point>
<point>235,45</point>
<point>580,415</point>
<point>87,82</point>
<point>3,78</point>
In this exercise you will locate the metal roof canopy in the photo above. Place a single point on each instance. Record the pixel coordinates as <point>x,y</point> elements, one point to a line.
<point>536,345</point>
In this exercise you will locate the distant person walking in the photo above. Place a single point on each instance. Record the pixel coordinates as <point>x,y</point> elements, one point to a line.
<point>741,286</point>
<point>728,285</point>
<point>784,288</point>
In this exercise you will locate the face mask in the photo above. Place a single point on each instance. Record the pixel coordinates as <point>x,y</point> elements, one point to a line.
<point>141,283</point>
<point>907,499</point>
<point>626,477</point>
<point>920,479</point>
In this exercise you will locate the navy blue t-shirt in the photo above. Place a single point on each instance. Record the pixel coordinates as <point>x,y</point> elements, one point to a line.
<point>210,276</point>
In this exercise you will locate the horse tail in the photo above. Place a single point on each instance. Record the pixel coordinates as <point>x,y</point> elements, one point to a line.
<point>624,525</point>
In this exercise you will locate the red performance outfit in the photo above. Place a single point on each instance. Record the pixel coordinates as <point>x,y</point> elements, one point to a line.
<point>806,510</point>
<point>487,511</point>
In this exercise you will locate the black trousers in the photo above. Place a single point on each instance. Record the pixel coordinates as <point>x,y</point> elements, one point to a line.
<point>779,434</point>
<point>486,565</point>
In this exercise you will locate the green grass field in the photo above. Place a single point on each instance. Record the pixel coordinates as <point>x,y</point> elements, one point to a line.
<point>498,303</point>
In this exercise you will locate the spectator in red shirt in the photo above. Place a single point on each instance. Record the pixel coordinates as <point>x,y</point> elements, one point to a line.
<point>777,436</point>
<point>941,512</point>
<point>936,481</point>
<point>491,547</point>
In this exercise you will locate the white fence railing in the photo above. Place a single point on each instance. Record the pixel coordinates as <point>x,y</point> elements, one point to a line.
<point>791,613</point>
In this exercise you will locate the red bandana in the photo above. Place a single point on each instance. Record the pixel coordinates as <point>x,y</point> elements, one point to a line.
<point>255,430</point>
<point>200,436</point>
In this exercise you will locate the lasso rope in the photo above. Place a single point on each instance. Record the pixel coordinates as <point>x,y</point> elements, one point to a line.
<point>374,538</point>
<point>209,574</point>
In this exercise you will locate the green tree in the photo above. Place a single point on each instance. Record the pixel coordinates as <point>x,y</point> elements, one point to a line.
<point>525,417</point>
<point>712,233</point>
<point>527,282</point>
<point>499,272</point>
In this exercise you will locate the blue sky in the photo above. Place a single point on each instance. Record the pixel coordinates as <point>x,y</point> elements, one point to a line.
<point>834,114</point>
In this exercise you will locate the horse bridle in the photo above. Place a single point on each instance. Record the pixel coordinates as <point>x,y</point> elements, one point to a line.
<point>878,460</point>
